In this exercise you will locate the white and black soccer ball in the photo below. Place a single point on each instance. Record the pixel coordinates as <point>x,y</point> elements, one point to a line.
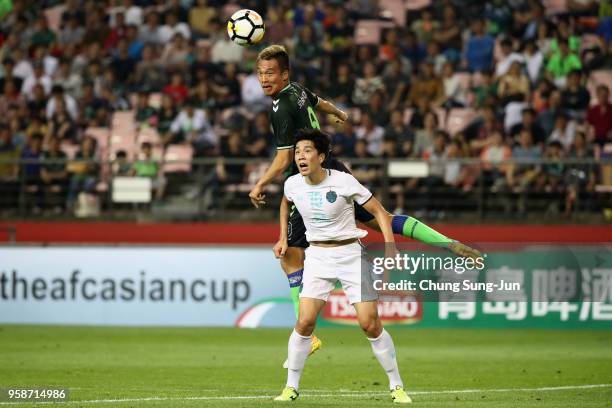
<point>246,27</point>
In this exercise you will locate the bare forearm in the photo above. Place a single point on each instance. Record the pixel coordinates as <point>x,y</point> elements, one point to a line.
<point>277,167</point>
<point>284,217</point>
<point>328,107</point>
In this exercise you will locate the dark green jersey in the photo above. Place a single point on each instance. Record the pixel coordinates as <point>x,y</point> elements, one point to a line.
<point>293,110</point>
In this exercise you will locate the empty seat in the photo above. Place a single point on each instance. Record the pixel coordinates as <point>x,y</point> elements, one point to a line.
<point>178,159</point>
<point>394,9</point>
<point>417,4</point>
<point>368,31</point>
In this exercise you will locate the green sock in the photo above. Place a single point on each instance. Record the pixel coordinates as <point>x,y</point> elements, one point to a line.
<point>412,228</point>
<point>295,284</point>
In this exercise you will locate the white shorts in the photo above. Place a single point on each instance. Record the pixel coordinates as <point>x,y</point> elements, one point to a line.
<point>324,266</point>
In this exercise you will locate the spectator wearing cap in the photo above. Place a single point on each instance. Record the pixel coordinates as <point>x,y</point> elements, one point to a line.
<point>479,48</point>
<point>599,116</point>
<point>575,97</point>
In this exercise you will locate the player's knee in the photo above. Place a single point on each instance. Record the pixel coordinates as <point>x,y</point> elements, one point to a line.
<point>372,327</point>
<point>305,325</point>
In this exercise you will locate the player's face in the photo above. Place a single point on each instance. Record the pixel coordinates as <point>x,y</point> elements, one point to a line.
<point>271,79</point>
<point>307,159</point>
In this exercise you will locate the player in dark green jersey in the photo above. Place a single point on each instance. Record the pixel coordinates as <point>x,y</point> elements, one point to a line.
<point>293,108</point>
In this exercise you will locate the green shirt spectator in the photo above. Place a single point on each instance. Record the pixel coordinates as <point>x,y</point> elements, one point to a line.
<point>563,62</point>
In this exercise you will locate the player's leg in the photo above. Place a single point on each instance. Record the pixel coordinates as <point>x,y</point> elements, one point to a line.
<point>413,228</point>
<point>382,346</point>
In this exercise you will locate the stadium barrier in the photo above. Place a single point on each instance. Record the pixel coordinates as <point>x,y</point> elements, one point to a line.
<point>436,189</point>
<point>562,286</point>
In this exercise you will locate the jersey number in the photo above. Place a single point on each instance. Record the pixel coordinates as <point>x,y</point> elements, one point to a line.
<point>314,122</point>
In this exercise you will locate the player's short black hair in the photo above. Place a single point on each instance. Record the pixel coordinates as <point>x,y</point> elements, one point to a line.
<point>317,137</point>
<point>275,52</point>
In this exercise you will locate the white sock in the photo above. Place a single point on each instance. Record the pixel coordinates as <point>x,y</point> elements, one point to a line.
<point>384,350</point>
<point>299,347</point>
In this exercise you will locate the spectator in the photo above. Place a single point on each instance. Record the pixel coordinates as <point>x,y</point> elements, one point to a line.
<point>344,140</point>
<point>70,81</point>
<point>252,95</point>
<point>581,177</point>
<point>191,125</point>
<point>454,93</point>
<point>492,156</point>
<point>509,56</point>
<point>121,166</point>
<point>31,157</point>
<point>150,74</point>
<point>424,138</point>
<point>367,85</point>
<point>260,137</point>
<point>425,27</point>
<point>9,169</point>
<point>54,176</point>
<point>176,54</point>
<point>166,115</point>
<point>479,48</point>
<point>513,86</point>
<point>83,170</point>
<point>599,116</point>
<point>546,118</point>
<point>123,64</point>
<point>38,77</point>
<point>146,115</point>
<point>200,17</point>
<point>529,123</point>
<point>61,125</point>
<point>371,133</point>
<point>146,165</point>
<point>227,87</point>
<point>396,82</point>
<point>534,60</point>
<point>401,133</point>
<point>486,90</point>
<point>575,98</point>
<point>72,33</point>
<point>427,85</point>
<point>151,33</point>
<point>379,113</point>
<point>43,35</point>
<point>563,132</point>
<point>176,89</point>
<point>341,89</point>
<point>57,96</point>
<point>562,63</point>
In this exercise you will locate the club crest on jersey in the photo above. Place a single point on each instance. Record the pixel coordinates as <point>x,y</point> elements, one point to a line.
<point>331,196</point>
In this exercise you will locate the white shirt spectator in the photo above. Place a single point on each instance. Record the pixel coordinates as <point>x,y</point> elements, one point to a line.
<point>374,137</point>
<point>226,51</point>
<point>453,89</point>
<point>251,91</point>
<point>69,102</point>
<point>197,124</point>
<point>29,82</point>
<point>50,65</point>
<point>534,65</point>
<point>133,16</point>
<point>166,32</point>
<point>564,136</point>
<point>503,65</point>
<point>513,114</point>
<point>23,69</point>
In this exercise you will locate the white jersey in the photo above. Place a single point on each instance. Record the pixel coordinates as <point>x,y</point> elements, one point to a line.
<point>327,208</point>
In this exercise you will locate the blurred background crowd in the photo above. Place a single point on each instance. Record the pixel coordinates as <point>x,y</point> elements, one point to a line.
<point>92,90</point>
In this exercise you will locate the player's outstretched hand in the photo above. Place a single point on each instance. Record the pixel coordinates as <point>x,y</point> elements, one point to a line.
<point>257,197</point>
<point>463,250</point>
<point>341,116</point>
<point>280,248</point>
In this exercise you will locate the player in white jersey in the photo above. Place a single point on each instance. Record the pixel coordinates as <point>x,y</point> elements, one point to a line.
<point>326,198</point>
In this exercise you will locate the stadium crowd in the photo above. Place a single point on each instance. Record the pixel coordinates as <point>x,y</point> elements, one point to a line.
<point>134,81</point>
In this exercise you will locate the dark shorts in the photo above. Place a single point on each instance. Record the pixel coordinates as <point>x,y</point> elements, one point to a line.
<point>296,231</point>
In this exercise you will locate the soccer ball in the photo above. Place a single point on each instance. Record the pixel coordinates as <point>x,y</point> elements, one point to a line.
<point>246,27</point>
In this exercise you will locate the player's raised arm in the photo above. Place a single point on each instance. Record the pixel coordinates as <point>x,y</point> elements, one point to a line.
<point>330,108</point>
<point>281,162</point>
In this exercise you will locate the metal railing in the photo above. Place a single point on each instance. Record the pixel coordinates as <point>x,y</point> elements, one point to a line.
<point>479,190</point>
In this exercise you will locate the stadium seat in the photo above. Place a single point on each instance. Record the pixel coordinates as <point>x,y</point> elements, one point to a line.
<point>178,159</point>
<point>395,10</point>
<point>149,134</point>
<point>368,31</point>
<point>124,120</point>
<point>101,134</point>
<point>417,4</point>
<point>458,119</point>
<point>554,6</point>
